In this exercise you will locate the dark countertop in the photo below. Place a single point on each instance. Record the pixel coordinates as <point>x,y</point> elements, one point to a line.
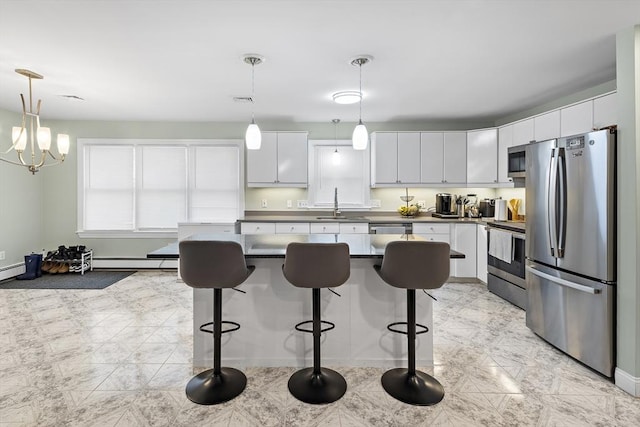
<point>274,245</point>
<point>387,219</point>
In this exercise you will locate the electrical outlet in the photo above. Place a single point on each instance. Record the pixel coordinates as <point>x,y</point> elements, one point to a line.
<point>421,204</point>
<point>2,255</point>
<point>289,204</point>
<point>302,204</point>
<point>375,203</point>
<point>263,203</point>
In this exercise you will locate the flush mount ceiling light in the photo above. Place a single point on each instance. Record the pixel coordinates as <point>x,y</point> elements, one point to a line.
<point>253,137</point>
<point>360,137</point>
<point>32,131</point>
<point>347,97</point>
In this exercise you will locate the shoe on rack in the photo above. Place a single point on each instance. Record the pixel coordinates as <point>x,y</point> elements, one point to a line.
<point>64,268</point>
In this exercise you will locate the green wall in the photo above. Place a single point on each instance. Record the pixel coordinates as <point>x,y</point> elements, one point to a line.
<point>21,201</point>
<point>628,315</point>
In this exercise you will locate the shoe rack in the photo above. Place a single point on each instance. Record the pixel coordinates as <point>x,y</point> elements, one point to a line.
<point>81,263</point>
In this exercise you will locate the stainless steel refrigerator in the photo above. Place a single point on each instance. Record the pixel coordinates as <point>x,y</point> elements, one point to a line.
<point>571,245</point>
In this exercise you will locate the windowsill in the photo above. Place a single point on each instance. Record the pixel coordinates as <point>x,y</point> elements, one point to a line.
<point>122,234</point>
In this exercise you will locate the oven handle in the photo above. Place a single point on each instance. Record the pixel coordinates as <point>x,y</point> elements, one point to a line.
<point>515,235</point>
<point>562,282</point>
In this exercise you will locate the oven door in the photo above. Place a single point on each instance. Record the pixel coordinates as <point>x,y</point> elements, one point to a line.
<point>514,271</point>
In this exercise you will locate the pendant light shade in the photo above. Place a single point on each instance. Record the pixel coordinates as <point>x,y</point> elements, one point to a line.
<point>253,137</point>
<point>360,137</point>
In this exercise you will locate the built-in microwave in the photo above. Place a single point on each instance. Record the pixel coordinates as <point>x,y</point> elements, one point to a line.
<point>516,161</point>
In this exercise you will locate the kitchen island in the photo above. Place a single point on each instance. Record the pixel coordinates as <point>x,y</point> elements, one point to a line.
<point>272,306</point>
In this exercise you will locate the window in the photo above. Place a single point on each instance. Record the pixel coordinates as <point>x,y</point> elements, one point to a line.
<point>126,187</point>
<point>348,171</point>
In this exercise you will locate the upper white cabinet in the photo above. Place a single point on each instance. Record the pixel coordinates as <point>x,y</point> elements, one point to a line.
<point>523,132</point>
<point>605,111</point>
<point>443,157</point>
<point>505,140</point>
<point>281,161</point>
<point>546,126</point>
<point>482,155</point>
<point>576,119</point>
<point>396,158</point>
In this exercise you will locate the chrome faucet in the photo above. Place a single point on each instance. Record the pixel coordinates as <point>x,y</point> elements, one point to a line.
<point>336,211</point>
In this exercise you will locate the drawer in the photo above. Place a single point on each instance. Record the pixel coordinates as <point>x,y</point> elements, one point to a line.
<point>257,228</point>
<point>435,237</point>
<point>320,228</point>
<point>292,228</point>
<point>354,228</point>
<point>430,228</point>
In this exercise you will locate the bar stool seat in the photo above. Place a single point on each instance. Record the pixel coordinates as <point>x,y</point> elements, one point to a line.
<point>316,266</point>
<point>413,265</point>
<point>216,265</point>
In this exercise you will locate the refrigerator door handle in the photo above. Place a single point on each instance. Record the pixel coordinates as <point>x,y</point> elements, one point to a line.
<point>551,202</point>
<point>562,208</point>
<point>562,282</point>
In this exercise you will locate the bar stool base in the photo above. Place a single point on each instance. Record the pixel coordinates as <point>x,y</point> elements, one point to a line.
<point>325,387</point>
<point>207,388</point>
<point>419,389</point>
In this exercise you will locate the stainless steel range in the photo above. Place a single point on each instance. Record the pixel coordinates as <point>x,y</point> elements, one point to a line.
<point>506,262</point>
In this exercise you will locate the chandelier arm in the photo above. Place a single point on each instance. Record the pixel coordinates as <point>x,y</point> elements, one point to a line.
<point>57,162</point>
<point>21,159</point>
<point>12,162</point>
<point>43,157</point>
<point>38,111</point>
<point>24,107</point>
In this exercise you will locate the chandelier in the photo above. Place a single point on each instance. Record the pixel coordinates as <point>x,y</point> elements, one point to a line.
<point>31,132</point>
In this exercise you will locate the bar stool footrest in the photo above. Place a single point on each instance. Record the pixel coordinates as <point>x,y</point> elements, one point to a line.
<point>423,329</point>
<point>310,331</point>
<point>235,327</point>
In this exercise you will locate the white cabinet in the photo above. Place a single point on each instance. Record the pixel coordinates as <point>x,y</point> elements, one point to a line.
<point>576,119</point>
<point>523,132</point>
<point>481,252</point>
<point>433,232</point>
<point>505,140</point>
<point>443,157</point>
<point>257,228</point>
<point>482,155</point>
<point>354,228</point>
<point>464,240</point>
<point>324,228</point>
<point>396,158</point>
<point>547,126</point>
<point>281,161</point>
<point>292,228</point>
<point>605,111</point>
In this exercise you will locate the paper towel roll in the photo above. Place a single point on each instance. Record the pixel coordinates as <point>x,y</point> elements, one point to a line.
<point>501,210</point>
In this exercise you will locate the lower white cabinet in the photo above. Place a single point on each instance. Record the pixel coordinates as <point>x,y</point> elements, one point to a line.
<point>354,228</point>
<point>481,252</point>
<point>324,228</point>
<point>464,240</point>
<point>292,228</point>
<point>433,232</point>
<point>258,228</point>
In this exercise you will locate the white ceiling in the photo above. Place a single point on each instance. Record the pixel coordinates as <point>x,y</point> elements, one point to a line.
<point>181,60</point>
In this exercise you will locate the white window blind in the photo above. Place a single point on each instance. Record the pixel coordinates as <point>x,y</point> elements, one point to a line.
<point>109,187</point>
<point>150,186</point>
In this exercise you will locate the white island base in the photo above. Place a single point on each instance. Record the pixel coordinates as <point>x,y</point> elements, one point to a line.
<point>272,307</point>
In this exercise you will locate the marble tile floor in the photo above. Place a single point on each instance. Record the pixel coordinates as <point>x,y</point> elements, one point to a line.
<point>122,356</point>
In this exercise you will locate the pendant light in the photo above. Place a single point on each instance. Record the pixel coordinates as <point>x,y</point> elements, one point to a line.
<point>253,137</point>
<point>360,137</point>
<point>335,158</point>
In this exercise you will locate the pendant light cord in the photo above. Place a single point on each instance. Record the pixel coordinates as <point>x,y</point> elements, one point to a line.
<point>360,67</point>
<point>253,108</point>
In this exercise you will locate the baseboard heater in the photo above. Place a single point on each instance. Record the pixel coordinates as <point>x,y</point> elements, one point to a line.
<point>135,263</point>
<point>10,271</point>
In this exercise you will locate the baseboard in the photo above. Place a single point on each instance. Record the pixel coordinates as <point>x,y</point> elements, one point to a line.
<point>11,271</point>
<point>627,382</point>
<point>135,263</point>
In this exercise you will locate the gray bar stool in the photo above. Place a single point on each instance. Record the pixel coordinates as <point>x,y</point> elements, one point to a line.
<point>317,265</point>
<point>215,265</point>
<point>413,265</point>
